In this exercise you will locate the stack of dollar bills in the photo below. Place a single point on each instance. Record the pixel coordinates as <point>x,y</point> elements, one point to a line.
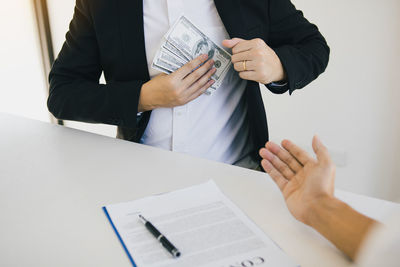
<point>183,43</point>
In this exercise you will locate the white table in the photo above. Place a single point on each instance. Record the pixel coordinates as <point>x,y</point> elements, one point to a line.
<point>54,181</point>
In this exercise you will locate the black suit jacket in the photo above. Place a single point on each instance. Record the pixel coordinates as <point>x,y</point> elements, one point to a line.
<point>108,36</point>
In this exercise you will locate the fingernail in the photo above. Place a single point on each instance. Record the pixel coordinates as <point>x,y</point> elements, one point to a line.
<point>204,56</point>
<point>285,142</point>
<point>318,140</point>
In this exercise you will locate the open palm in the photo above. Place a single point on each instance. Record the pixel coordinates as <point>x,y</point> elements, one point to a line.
<point>302,179</point>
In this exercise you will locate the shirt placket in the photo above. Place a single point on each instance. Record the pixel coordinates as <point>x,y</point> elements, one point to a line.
<point>179,128</point>
<point>179,114</point>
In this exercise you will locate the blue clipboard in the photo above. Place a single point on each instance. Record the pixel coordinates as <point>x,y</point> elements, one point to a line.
<point>119,237</point>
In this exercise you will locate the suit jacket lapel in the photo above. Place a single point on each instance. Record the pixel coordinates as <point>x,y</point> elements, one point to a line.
<point>132,37</point>
<point>229,11</point>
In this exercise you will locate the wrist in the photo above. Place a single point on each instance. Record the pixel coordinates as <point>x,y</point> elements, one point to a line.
<point>145,99</point>
<point>282,79</point>
<point>281,75</point>
<point>321,209</point>
<point>339,223</point>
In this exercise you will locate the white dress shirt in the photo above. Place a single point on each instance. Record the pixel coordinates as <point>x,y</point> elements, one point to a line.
<point>212,126</point>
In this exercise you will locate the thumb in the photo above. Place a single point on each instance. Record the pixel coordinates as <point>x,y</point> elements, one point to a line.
<point>320,150</point>
<point>231,43</point>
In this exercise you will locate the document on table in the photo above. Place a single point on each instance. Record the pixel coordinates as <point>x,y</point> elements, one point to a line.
<point>207,228</point>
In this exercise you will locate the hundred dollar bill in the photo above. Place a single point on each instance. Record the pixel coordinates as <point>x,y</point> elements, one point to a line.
<point>159,68</point>
<point>192,42</point>
<point>164,66</point>
<point>170,58</point>
<point>168,68</point>
<point>167,46</point>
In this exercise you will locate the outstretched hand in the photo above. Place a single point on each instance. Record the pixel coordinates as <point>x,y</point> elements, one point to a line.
<point>302,179</point>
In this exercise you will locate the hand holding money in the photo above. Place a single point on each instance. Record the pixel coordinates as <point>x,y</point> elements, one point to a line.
<point>184,42</point>
<point>178,88</point>
<point>255,60</point>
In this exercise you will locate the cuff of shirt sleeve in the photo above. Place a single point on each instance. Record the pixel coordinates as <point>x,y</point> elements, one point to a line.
<point>278,84</point>
<point>278,87</point>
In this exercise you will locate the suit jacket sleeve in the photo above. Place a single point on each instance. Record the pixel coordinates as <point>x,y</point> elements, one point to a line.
<point>300,46</point>
<point>75,92</point>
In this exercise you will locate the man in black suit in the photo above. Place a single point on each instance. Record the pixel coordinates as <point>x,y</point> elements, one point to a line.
<point>272,44</point>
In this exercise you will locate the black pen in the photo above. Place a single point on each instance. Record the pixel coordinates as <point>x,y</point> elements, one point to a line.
<point>160,237</point>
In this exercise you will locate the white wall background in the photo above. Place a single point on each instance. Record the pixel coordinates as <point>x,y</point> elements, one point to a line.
<point>22,81</point>
<point>353,106</point>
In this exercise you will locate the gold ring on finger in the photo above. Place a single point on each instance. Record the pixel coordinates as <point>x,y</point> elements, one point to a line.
<point>244,65</point>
